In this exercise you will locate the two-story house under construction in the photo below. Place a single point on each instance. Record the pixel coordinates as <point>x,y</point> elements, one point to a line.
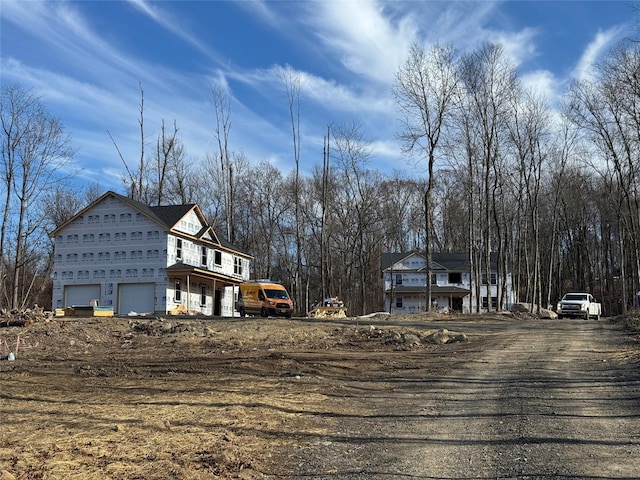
<point>453,287</point>
<point>123,254</point>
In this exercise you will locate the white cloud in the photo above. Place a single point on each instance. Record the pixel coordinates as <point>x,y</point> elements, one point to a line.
<point>544,83</point>
<point>603,40</point>
<point>366,39</point>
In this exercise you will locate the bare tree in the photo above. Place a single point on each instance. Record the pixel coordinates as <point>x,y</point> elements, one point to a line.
<point>222,109</point>
<point>292,83</point>
<point>35,151</point>
<point>490,81</point>
<point>358,209</point>
<point>425,90</point>
<point>529,132</point>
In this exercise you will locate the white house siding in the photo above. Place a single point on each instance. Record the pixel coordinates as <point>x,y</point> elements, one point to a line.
<point>107,245</point>
<point>409,274</point>
<point>217,260</point>
<point>111,250</point>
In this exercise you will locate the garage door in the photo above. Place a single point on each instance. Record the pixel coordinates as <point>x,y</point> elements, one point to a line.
<point>136,297</point>
<point>80,294</point>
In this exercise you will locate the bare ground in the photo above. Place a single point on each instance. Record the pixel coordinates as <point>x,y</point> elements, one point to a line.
<point>357,398</point>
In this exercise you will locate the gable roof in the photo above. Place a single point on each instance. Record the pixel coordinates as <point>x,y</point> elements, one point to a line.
<point>452,262</point>
<point>166,216</point>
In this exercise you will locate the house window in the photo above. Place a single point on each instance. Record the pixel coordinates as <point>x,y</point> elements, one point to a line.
<point>178,249</point>
<point>203,295</point>
<point>203,258</point>
<point>399,279</point>
<point>398,302</point>
<point>217,257</point>
<point>178,291</point>
<point>237,265</point>
<point>455,277</point>
<point>494,303</point>
<point>434,279</point>
<point>494,279</point>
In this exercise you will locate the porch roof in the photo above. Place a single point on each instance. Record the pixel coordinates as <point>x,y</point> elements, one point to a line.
<point>183,269</point>
<point>444,290</point>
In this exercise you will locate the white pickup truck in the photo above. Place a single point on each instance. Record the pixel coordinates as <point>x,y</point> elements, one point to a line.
<point>579,305</point>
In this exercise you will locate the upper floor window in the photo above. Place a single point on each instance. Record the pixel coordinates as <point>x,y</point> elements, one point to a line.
<point>455,277</point>
<point>398,279</point>
<point>203,255</point>
<point>178,249</point>
<point>434,279</point>
<point>125,217</point>
<point>217,257</point>
<point>237,265</point>
<point>494,279</point>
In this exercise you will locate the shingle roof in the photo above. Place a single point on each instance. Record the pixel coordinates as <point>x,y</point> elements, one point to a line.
<point>452,262</point>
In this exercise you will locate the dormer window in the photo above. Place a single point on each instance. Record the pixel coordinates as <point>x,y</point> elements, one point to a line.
<point>178,249</point>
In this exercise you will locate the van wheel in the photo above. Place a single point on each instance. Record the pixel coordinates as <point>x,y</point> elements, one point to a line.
<point>263,312</point>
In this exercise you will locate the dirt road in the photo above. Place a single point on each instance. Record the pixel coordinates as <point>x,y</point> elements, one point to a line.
<point>537,400</point>
<point>300,399</point>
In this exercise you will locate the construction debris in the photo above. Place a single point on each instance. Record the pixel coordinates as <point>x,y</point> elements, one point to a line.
<point>24,317</point>
<point>329,308</point>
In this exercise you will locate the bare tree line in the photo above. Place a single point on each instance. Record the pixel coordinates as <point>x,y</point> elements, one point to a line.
<point>554,194</point>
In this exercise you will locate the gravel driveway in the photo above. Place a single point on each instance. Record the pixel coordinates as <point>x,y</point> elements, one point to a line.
<point>527,399</point>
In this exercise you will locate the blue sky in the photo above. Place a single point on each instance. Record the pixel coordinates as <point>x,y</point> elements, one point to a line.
<point>87,60</point>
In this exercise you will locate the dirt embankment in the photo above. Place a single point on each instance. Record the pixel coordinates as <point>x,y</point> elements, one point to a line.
<point>383,397</point>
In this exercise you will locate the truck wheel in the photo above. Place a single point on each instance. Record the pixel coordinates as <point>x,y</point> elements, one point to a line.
<point>242,312</point>
<point>586,316</point>
<point>560,317</point>
<point>263,312</point>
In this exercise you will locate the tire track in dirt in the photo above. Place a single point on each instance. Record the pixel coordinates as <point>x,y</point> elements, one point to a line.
<point>539,399</point>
